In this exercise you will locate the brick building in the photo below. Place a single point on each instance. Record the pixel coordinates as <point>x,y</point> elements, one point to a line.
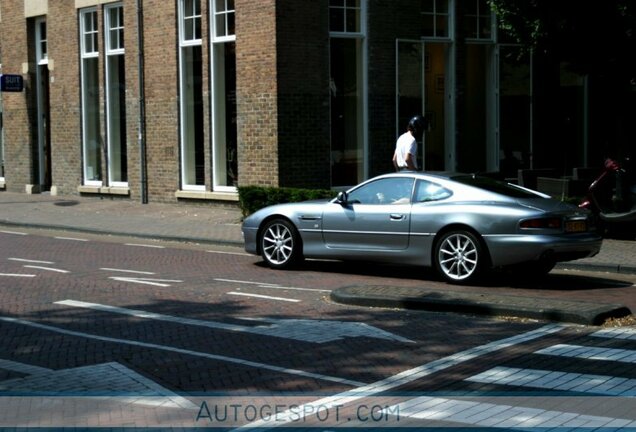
<point>180,100</point>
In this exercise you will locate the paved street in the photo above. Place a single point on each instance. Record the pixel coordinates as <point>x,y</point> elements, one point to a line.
<point>134,332</point>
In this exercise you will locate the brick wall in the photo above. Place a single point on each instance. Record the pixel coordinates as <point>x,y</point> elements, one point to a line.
<point>65,96</point>
<point>18,158</point>
<point>257,87</point>
<point>162,103</point>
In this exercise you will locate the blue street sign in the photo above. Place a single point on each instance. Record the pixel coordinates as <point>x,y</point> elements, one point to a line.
<point>11,83</point>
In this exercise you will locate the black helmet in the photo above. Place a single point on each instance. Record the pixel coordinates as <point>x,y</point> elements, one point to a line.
<point>417,126</point>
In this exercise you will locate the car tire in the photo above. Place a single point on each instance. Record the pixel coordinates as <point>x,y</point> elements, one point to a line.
<point>280,244</point>
<point>459,257</point>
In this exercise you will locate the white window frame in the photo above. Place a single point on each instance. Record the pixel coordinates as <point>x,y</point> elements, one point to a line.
<point>109,27</point>
<point>477,19</point>
<point>86,54</point>
<point>450,21</point>
<point>360,11</point>
<point>361,35</point>
<point>492,85</point>
<point>83,32</point>
<point>217,86</point>
<point>110,52</point>
<point>42,55</point>
<point>450,150</point>
<point>184,43</point>
<point>225,14</point>
<point>42,60</point>
<point>183,19</point>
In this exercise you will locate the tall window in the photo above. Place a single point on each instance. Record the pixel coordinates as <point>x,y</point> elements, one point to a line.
<point>478,21</point>
<point>436,18</point>
<point>116,96</point>
<point>91,137</point>
<point>479,149</point>
<point>43,51</point>
<point>42,156</point>
<point>192,148</point>
<point>1,132</point>
<point>225,170</point>
<point>347,88</point>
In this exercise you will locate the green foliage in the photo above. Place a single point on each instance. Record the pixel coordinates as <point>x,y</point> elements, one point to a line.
<point>253,198</point>
<point>591,36</point>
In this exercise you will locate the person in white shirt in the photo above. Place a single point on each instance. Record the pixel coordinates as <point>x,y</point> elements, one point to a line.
<point>405,155</point>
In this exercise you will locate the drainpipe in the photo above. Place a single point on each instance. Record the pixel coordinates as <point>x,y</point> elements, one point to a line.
<point>142,103</point>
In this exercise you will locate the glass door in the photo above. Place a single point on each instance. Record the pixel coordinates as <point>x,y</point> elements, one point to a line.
<point>423,87</point>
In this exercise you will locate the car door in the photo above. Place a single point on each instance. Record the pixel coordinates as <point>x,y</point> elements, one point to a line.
<point>376,216</point>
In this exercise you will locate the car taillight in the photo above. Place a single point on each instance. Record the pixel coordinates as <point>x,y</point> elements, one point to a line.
<point>541,223</point>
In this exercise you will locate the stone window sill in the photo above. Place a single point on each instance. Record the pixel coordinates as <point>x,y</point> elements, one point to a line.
<point>206,195</point>
<point>103,190</point>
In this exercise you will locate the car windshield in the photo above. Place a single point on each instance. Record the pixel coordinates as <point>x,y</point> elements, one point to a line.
<point>494,186</point>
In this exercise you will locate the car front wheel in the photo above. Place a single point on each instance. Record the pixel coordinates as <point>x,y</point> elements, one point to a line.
<point>280,244</point>
<point>459,256</point>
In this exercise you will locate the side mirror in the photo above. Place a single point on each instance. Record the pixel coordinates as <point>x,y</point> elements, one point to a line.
<point>342,198</point>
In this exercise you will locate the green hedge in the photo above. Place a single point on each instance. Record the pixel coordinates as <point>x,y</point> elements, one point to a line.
<point>253,198</point>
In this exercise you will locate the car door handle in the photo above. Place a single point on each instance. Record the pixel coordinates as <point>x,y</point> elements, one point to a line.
<point>397,217</point>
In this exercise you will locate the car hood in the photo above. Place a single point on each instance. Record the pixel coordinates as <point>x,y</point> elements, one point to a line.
<point>287,210</point>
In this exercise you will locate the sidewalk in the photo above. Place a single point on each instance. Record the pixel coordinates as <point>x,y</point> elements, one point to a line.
<point>200,224</point>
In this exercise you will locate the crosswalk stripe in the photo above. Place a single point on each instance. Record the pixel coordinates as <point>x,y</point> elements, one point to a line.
<point>546,379</point>
<point>488,414</point>
<point>591,353</point>
<point>616,333</point>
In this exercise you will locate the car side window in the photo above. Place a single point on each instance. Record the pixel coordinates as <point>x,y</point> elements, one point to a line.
<point>395,190</point>
<point>426,191</point>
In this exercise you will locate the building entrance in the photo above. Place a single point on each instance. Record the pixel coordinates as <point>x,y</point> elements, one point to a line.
<point>423,87</point>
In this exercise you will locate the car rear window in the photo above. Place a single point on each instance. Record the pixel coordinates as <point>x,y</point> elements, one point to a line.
<point>494,186</point>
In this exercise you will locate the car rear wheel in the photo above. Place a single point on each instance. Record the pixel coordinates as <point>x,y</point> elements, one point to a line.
<point>459,256</point>
<point>280,244</point>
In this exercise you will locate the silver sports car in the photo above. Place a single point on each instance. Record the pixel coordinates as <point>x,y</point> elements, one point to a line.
<point>460,224</point>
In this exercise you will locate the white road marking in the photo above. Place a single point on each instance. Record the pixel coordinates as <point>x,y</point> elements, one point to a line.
<point>127,271</point>
<point>71,239</point>
<point>500,416</point>
<point>407,376</point>
<point>229,253</point>
<point>321,331</point>
<point>245,282</point>
<point>591,353</point>
<point>575,382</point>
<point>628,333</point>
<point>30,261</point>
<point>316,331</point>
<point>263,297</point>
<point>47,268</point>
<point>271,286</point>
<point>22,367</point>
<point>215,357</point>
<point>145,281</point>
<point>17,275</point>
<point>145,245</point>
<point>14,233</point>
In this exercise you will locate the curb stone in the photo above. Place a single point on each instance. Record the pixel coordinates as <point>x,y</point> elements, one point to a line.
<point>576,312</point>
